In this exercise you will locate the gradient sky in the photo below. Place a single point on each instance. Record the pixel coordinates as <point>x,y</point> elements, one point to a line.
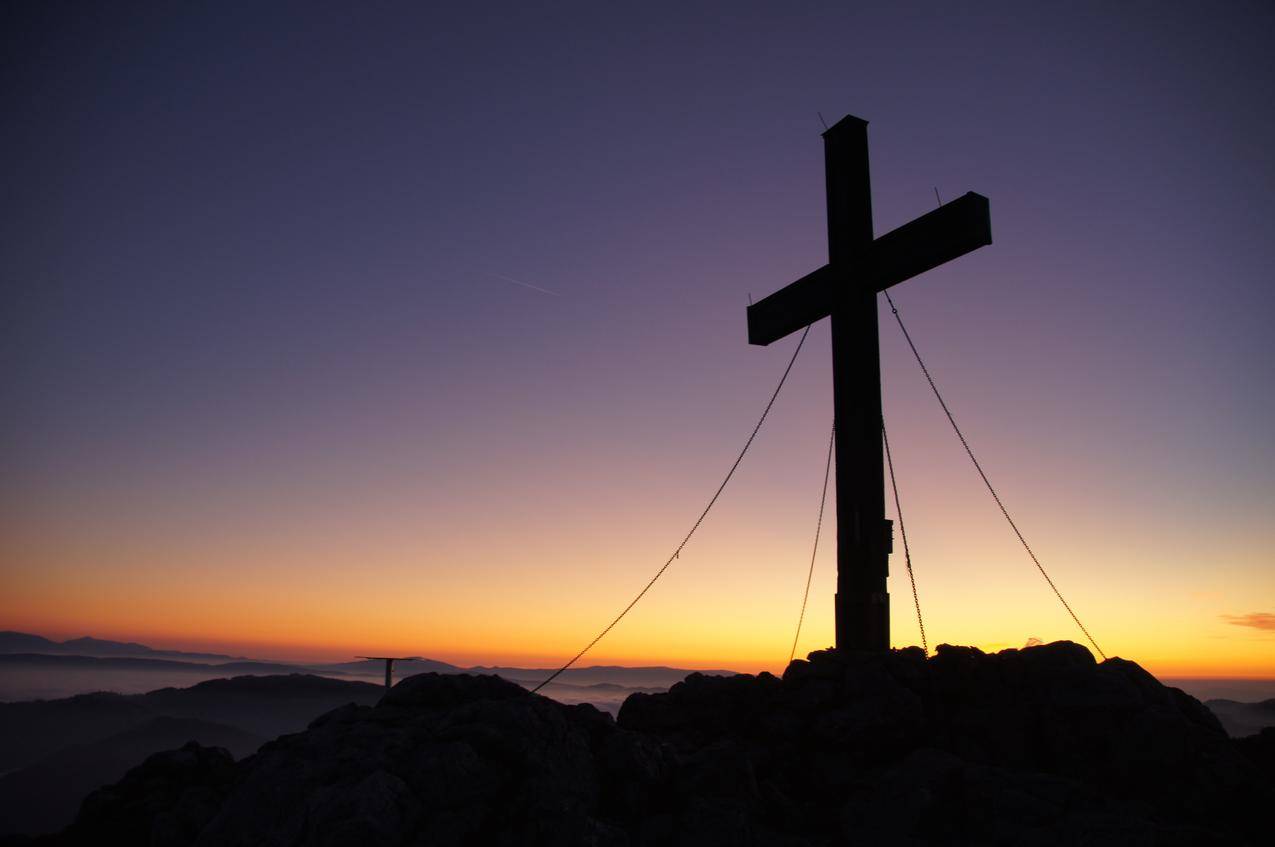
<point>278,377</point>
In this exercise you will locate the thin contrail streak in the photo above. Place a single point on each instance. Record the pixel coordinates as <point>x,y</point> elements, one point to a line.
<point>526,285</point>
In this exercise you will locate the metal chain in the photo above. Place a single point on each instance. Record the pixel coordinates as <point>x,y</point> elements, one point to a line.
<point>986,481</point>
<point>823,498</point>
<point>907,554</point>
<point>678,551</point>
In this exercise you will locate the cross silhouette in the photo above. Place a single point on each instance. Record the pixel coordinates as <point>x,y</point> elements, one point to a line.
<point>846,290</point>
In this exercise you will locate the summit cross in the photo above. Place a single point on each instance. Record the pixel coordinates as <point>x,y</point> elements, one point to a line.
<point>846,290</point>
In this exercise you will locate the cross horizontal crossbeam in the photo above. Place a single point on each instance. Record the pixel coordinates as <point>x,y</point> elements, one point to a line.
<point>845,291</point>
<point>952,230</point>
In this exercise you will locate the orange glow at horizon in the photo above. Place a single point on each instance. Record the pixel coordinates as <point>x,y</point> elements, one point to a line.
<point>729,603</point>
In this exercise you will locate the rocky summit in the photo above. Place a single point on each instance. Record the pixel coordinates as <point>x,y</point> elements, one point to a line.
<point>1035,746</point>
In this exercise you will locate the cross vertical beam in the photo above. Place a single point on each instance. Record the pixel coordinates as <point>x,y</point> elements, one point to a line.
<point>845,290</point>
<point>862,603</point>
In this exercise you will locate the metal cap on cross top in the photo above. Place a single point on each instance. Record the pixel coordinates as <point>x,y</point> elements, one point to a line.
<point>845,291</point>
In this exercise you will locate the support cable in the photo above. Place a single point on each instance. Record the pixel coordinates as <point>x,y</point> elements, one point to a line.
<point>907,554</point>
<point>678,551</point>
<point>823,498</point>
<point>986,481</point>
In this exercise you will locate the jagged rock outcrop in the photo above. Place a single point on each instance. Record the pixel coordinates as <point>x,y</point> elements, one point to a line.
<point>54,752</point>
<point>1033,746</point>
<point>167,799</point>
<point>45,797</point>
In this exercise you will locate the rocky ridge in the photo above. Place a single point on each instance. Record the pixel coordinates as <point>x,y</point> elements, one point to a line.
<point>1033,746</point>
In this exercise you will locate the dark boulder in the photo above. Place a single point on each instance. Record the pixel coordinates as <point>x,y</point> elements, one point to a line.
<point>164,802</point>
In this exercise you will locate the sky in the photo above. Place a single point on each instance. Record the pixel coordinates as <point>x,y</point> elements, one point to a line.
<point>336,329</point>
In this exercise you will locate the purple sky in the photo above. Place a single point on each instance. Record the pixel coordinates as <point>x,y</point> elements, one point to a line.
<point>260,264</point>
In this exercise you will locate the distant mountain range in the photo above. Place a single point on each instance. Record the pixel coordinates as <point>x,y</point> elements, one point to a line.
<point>24,642</point>
<point>13,660</point>
<point>372,667</point>
<point>657,676</point>
<point>24,650</point>
<point>1243,719</point>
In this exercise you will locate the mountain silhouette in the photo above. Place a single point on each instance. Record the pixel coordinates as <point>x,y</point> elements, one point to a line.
<point>46,795</point>
<point>38,668</point>
<point>264,706</point>
<point>1241,719</point>
<point>23,642</point>
<point>1035,746</point>
<point>374,667</point>
<point>55,752</point>
<point>657,676</point>
<point>53,662</point>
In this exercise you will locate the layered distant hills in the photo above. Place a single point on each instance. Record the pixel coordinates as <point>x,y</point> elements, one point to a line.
<point>1243,719</point>
<point>34,667</point>
<point>24,642</point>
<point>54,752</point>
<point>129,700</point>
<point>15,660</point>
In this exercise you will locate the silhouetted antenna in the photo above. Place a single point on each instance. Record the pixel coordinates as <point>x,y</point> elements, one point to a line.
<point>936,195</point>
<point>822,121</point>
<point>389,665</point>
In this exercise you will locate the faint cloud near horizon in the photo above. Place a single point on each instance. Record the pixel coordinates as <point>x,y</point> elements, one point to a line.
<point>1256,620</point>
